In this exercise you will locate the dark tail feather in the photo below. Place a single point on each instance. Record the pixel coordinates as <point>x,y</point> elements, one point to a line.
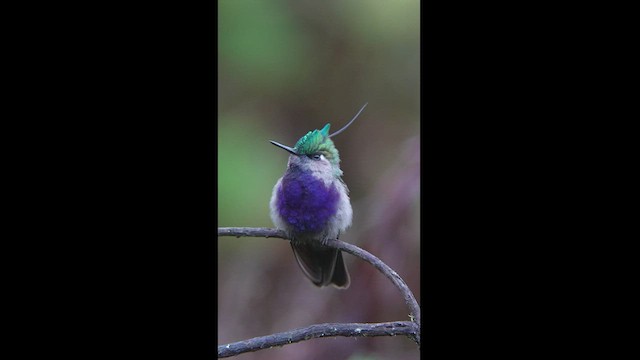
<point>340,277</point>
<point>322,265</point>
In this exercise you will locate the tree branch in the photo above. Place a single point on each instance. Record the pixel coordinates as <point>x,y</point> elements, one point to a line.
<point>314,331</point>
<point>407,328</point>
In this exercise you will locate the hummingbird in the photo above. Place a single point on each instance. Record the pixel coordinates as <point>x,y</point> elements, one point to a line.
<point>310,203</point>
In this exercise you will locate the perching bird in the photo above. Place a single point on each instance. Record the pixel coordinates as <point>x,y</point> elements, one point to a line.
<point>310,203</point>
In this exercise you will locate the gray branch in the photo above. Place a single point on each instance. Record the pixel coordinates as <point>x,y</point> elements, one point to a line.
<point>406,328</point>
<point>380,329</point>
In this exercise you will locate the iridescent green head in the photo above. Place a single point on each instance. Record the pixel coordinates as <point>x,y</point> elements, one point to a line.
<point>317,142</point>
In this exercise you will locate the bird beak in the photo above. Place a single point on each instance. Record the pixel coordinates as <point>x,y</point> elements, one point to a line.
<point>284,147</point>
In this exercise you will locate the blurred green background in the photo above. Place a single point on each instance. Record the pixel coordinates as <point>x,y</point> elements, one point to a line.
<point>286,67</point>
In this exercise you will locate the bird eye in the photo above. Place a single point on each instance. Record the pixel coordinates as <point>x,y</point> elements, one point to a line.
<point>315,156</point>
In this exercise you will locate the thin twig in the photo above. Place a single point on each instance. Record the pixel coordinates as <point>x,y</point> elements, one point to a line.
<point>410,300</point>
<point>251,232</point>
<point>318,331</point>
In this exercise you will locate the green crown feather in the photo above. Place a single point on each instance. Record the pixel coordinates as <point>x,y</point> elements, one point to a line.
<point>318,142</point>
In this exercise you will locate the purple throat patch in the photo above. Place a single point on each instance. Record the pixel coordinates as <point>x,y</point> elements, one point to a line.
<point>305,203</point>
